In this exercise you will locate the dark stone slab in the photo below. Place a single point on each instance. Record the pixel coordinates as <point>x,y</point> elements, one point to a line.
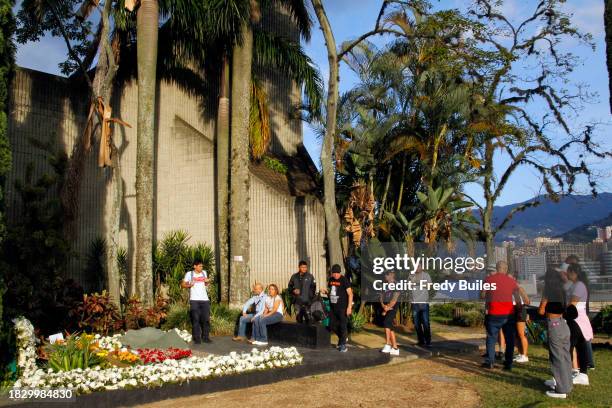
<point>297,334</point>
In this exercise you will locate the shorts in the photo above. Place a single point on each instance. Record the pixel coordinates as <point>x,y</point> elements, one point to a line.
<point>520,313</point>
<point>389,317</point>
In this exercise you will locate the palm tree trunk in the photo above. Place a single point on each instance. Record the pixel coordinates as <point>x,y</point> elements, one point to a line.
<point>332,221</point>
<point>239,164</point>
<point>147,28</point>
<point>384,197</point>
<point>487,218</point>
<point>401,190</point>
<point>222,164</point>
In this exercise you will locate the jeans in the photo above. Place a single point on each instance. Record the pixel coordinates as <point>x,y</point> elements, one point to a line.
<point>559,354</point>
<point>338,322</point>
<point>242,324</point>
<point>493,324</point>
<point>200,319</point>
<point>260,326</point>
<point>420,318</point>
<point>302,311</point>
<point>590,354</point>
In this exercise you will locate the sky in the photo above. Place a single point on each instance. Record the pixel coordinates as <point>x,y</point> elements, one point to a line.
<point>350,18</point>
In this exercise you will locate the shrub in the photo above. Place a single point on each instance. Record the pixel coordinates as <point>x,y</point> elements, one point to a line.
<point>173,257</point>
<point>356,322</point>
<point>470,318</point>
<point>137,316</point>
<point>222,318</point>
<point>602,322</point>
<point>96,313</point>
<point>177,317</point>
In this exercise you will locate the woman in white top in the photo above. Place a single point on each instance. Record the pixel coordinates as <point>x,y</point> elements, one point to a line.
<point>273,313</point>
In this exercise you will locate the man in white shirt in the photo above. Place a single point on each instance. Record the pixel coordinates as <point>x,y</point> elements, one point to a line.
<point>199,304</point>
<point>420,307</point>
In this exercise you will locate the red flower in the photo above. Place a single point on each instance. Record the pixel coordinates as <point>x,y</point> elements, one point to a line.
<point>149,356</point>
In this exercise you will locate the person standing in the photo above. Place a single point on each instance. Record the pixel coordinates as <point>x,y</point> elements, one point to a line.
<point>199,305</point>
<point>580,327</point>
<point>257,301</point>
<point>420,307</point>
<point>389,302</point>
<point>341,303</point>
<point>273,313</point>
<point>552,306</point>
<point>302,287</point>
<point>500,314</point>
<point>521,303</point>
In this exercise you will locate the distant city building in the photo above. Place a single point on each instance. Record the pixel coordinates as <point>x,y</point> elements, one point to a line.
<point>545,241</point>
<point>501,254</point>
<point>593,251</point>
<point>556,253</point>
<point>606,262</point>
<point>591,268</point>
<point>604,233</point>
<point>530,265</point>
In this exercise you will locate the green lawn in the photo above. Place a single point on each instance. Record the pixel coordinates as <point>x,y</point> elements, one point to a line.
<point>523,387</point>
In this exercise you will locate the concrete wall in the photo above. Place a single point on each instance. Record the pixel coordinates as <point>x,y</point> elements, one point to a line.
<point>284,228</point>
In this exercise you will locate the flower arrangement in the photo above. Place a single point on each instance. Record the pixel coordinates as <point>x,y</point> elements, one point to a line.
<point>149,356</point>
<point>91,379</point>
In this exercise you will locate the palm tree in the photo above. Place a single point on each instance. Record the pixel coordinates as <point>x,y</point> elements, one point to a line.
<point>147,34</point>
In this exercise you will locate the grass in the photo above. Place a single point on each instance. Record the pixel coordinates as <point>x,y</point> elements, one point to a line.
<point>523,386</point>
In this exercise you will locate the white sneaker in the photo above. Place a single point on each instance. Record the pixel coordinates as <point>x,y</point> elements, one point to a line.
<point>551,383</point>
<point>394,352</point>
<point>521,358</point>
<point>581,379</point>
<point>386,349</point>
<point>553,394</point>
<point>260,343</point>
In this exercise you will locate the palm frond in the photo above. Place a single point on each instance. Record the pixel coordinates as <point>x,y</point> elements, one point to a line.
<point>288,57</point>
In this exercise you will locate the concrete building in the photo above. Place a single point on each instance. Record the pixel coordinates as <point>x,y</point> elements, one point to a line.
<point>604,233</point>
<point>556,253</point>
<point>528,265</point>
<point>286,215</point>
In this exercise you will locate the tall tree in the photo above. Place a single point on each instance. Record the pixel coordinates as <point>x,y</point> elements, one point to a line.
<point>541,139</point>
<point>147,34</point>
<point>239,245</point>
<point>72,21</point>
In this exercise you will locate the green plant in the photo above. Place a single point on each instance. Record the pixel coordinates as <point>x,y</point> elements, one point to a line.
<point>223,319</point>
<point>275,164</point>
<point>287,301</point>
<point>173,257</point>
<point>177,317</point>
<point>603,320</point>
<point>94,268</point>
<point>74,352</point>
<point>96,313</point>
<point>470,318</point>
<point>356,322</point>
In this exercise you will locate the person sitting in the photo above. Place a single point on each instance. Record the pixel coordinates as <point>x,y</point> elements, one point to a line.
<point>273,313</point>
<point>302,287</point>
<point>257,301</point>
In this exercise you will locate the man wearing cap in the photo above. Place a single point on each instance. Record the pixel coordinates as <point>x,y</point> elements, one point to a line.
<point>341,303</point>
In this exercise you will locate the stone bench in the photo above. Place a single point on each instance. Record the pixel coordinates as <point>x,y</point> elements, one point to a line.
<point>314,335</point>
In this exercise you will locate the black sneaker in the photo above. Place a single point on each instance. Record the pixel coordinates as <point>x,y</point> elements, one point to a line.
<point>207,341</point>
<point>488,366</point>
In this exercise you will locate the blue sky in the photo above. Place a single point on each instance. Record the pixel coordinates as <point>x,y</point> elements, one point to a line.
<point>350,18</point>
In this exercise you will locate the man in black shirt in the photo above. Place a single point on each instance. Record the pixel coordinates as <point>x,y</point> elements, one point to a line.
<point>341,302</point>
<point>302,287</point>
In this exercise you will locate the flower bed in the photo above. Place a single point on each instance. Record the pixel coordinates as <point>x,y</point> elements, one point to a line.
<point>87,380</point>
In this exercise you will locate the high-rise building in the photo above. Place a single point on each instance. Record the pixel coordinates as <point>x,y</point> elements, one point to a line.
<point>593,250</point>
<point>591,268</point>
<point>604,233</point>
<point>556,253</point>
<point>530,265</point>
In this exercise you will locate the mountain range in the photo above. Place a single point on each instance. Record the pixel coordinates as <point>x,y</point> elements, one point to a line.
<point>577,213</point>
